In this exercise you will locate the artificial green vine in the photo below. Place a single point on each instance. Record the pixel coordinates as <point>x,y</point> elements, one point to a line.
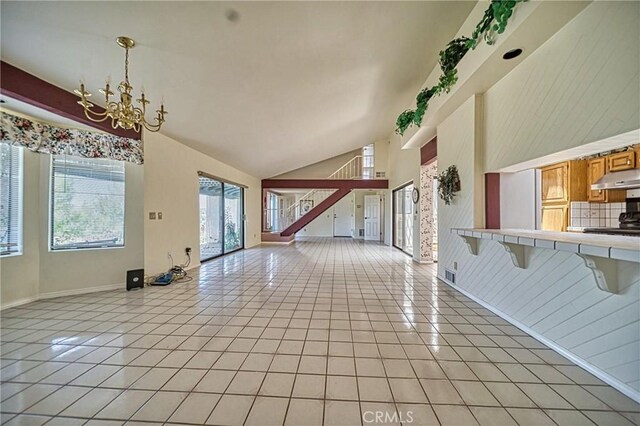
<point>404,121</point>
<point>448,184</point>
<point>449,59</point>
<point>494,21</point>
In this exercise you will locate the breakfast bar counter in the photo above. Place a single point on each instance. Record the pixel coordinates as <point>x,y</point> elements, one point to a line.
<point>599,252</point>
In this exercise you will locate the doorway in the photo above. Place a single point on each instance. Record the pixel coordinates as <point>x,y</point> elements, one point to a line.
<point>343,217</point>
<point>403,218</point>
<point>372,217</point>
<point>221,218</point>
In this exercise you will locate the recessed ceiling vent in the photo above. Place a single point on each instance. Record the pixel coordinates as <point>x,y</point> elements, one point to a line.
<point>513,53</point>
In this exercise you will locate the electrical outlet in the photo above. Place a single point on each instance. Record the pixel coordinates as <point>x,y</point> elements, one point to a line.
<point>169,255</point>
<point>159,215</point>
<point>152,215</point>
<point>187,250</point>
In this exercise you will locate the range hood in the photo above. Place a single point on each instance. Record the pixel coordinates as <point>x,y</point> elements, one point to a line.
<point>627,179</point>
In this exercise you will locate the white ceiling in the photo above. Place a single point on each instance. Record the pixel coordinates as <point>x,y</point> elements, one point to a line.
<point>286,85</point>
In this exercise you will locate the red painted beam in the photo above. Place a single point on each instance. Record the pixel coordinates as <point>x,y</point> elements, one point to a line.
<point>18,84</point>
<point>492,200</point>
<point>315,212</point>
<point>429,151</point>
<point>325,184</point>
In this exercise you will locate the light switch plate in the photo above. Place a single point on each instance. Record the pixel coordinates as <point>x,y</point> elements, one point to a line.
<point>152,215</point>
<point>159,215</point>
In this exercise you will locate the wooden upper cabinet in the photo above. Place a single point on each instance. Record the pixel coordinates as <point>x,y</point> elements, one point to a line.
<point>637,151</point>
<point>555,181</point>
<point>596,169</point>
<point>564,182</point>
<point>622,161</point>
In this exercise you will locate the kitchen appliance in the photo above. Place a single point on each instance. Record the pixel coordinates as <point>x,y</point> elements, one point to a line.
<point>619,180</point>
<point>629,220</point>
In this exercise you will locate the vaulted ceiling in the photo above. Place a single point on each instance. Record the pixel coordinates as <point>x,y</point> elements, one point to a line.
<point>278,86</point>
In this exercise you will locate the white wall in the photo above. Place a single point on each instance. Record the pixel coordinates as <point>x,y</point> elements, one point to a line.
<point>404,167</point>
<point>20,275</point>
<point>171,186</point>
<point>322,226</point>
<point>580,86</point>
<point>39,272</point>
<point>320,170</point>
<point>518,200</point>
<point>458,141</point>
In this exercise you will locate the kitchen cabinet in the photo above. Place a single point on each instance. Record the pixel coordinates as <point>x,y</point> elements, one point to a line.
<point>554,183</point>
<point>554,217</point>
<point>637,151</point>
<point>621,161</point>
<point>597,168</point>
<point>562,183</point>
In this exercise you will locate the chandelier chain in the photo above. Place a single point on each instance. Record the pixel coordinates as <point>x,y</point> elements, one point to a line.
<point>126,65</point>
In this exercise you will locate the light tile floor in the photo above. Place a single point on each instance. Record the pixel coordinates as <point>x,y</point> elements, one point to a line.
<point>326,331</point>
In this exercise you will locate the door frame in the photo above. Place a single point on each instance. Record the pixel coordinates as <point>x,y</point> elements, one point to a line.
<point>393,215</point>
<point>222,208</point>
<point>380,218</point>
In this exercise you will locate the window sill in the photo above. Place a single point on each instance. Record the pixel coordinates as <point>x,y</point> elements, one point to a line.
<point>6,256</point>
<point>51,250</point>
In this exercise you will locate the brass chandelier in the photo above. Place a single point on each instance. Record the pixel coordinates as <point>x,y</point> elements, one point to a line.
<point>123,113</point>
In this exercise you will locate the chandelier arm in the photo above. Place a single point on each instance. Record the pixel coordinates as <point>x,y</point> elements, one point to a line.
<point>100,117</point>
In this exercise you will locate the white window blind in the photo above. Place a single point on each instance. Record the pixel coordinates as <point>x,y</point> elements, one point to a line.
<point>87,203</point>
<point>10,199</point>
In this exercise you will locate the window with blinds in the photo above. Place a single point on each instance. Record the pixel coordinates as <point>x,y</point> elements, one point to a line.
<point>10,199</point>
<point>87,203</point>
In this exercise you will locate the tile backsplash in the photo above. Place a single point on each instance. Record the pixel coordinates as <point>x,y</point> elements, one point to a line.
<point>595,215</point>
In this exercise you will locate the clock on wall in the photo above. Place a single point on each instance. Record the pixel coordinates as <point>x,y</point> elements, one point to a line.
<point>415,195</point>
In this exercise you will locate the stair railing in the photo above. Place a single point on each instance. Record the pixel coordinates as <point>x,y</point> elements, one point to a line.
<point>351,170</point>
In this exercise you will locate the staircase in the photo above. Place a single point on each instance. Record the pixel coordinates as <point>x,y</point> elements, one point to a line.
<point>323,194</point>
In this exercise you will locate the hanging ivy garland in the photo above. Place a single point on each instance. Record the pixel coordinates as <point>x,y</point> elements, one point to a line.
<point>494,21</point>
<point>448,184</point>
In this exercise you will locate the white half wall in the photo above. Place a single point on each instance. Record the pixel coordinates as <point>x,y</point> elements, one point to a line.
<point>580,86</point>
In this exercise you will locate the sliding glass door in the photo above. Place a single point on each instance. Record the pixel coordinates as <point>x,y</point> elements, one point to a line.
<point>221,218</point>
<point>233,235</point>
<point>403,218</point>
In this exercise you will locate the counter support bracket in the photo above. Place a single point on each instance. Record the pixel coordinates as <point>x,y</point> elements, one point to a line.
<point>516,253</point>
<point>471,243</point>
<point>604,271</point>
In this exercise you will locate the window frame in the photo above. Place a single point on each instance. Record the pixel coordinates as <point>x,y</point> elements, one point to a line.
<point>20,213</point>
<point>51,215</point>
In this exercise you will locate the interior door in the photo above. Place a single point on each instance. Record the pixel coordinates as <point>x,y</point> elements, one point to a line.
<point>372,217</point>
<point>342,217</point>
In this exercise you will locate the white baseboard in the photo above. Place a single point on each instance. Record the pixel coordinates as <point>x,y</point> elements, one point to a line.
<point>600,374</point>
<point>73,292</point>
<point>18,302</point>
<point>80,291</point>
<point>286,243</point>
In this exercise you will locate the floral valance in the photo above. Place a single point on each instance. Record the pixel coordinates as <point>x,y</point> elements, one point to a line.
<point>50,139</point>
